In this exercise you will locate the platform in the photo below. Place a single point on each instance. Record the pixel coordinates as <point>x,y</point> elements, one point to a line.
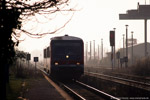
<point>45,89</point>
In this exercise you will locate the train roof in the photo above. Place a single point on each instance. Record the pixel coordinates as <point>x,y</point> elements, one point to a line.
<point>66,37</point>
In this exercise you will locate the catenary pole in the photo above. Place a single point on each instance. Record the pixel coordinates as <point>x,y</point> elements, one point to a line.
<point>114,48</point>
<point>126,63</point>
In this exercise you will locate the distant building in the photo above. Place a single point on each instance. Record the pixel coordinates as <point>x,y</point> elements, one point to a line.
<point>138,52</point>
<point>130,42</point>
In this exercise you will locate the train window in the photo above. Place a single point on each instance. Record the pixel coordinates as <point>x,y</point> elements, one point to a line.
<point>44,53</point>
<point>48,52</point>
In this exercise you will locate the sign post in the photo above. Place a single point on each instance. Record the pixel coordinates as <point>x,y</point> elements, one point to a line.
<point>35,60</point>
<point>121,61</point>
<point>28,58</point>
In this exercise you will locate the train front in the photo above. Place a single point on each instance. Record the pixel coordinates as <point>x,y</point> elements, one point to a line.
<point>67,60</point>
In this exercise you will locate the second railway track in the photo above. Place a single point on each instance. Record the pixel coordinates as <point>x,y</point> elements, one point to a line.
<point>129,82</point>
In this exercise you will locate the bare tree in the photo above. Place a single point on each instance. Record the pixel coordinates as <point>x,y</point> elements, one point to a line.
<point>12,13</point>
<point>32,8</point>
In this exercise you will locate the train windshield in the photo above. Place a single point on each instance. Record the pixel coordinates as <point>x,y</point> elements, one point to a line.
<point>74,49</point>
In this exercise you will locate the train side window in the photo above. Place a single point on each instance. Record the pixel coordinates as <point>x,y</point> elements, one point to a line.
<point>44,53</point>
<point>48,52</point>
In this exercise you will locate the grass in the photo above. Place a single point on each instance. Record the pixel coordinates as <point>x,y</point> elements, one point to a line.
<point>142,67</point>
<point>19,81</point>
<point>13,88</point>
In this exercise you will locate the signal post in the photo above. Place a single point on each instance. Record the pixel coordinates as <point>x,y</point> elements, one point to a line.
<point>112,44</point>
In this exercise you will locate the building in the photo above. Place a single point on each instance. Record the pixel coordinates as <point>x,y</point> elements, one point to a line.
<point>138,52</point>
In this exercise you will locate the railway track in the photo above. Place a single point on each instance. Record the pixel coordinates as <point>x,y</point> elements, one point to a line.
<point>82,91</point>
<point>129,82</point>
<point>108,71</point>
<point>131,77</point>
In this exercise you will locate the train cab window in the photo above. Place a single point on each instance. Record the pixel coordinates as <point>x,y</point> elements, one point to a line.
<point>67,48</point>
<point>73,49</point>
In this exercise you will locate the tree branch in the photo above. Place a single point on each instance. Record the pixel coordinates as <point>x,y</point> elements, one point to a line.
<point>43,34</point>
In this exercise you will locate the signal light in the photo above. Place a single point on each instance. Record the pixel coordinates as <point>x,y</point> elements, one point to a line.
<point>112,38</point>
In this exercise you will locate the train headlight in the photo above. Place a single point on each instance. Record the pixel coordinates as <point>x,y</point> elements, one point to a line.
<point>67,56</point>
<point>78,63</point>
<point>56,63</point>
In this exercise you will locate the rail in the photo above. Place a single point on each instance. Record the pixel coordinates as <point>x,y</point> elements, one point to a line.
<point>103,94</point>
<point>142,85</point>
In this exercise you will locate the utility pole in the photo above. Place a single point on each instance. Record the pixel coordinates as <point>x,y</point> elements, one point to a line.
<point>94,48</point>
<point>112,63</point>
<point>102,48</point>
<point>90,51</point>
<point>126,61</point>
<point>86,51</point>
<point>98,52</point>
<point>123,45</point>
<point>123,50</point>
<point>132,46</point>
<point>114,48</point>
<point>146,53</point>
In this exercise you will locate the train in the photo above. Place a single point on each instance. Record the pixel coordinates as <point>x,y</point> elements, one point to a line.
<point>64,57</point>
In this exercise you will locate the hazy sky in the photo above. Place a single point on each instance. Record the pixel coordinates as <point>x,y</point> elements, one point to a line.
<point>93,21</point>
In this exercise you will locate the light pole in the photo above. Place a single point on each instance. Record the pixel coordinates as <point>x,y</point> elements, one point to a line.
<point>94,48</point>
<point>98,52</point>
<point>114,48</point>
<point>90,51</point>
<point>123,45</point>
<point>86,52</point>
<point>126,62</point>
<point>132,46</point>
<point>102,48</point>
<point>146,53</point>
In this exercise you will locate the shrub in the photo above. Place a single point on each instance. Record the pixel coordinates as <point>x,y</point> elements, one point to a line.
<point>142,67</point>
